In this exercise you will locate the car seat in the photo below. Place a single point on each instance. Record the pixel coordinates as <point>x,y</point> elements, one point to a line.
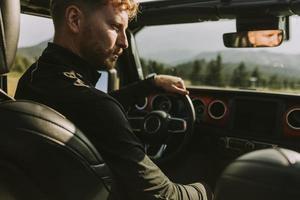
<point>270,174</point>
<point>42,154</point>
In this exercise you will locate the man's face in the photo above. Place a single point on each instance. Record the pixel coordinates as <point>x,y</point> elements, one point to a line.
<point>103,36</point>
<point>265,38</point>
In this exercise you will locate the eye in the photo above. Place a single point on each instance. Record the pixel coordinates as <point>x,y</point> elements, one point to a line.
<point>116,28</point>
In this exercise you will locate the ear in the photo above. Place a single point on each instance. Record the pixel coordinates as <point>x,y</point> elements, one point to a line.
<point>74,16</point>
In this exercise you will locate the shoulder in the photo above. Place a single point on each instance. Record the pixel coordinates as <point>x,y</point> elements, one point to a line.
<point>108,106</point>
<point>58,83</point>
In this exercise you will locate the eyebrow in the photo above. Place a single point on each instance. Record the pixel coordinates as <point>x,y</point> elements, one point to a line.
<point>118,21</point>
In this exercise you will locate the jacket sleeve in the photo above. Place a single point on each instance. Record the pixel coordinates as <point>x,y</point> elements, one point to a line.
<point>129,94</point>
<point>136,176</point>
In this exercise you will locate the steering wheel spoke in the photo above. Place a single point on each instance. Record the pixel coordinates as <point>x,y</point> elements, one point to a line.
<point>155,152</point>
<point>177,125</point>
<point>136,123</point>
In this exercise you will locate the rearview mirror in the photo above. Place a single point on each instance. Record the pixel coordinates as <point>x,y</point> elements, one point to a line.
<point>261,38</point>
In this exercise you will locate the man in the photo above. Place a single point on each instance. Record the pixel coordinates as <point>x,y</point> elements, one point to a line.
<point>265,38</point>
<point>90,34</point>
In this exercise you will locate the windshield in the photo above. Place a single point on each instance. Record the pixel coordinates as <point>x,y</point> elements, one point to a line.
<point>196,53</point>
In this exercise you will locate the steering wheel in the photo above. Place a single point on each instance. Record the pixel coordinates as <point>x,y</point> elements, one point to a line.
<point>165,125</point>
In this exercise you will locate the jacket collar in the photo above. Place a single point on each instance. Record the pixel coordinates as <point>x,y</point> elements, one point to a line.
<point>60,56</point>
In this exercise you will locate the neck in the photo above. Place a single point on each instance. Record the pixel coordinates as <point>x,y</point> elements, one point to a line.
<point>66,41</point>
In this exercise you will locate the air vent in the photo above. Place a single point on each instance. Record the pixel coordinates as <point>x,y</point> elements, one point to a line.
<point>293,118</point>
<point>217,109</point>
<point>141,104</point>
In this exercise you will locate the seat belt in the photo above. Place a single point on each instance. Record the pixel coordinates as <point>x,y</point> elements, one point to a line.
<point>4,96</point>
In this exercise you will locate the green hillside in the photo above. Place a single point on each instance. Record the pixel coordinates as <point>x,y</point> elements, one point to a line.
<point>217,71</point>
<point>27,55</point>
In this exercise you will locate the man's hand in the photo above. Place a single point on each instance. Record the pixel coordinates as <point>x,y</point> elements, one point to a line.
<point>171,84</point>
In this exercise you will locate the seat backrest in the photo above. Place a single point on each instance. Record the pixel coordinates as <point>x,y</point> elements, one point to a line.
<point>261,175</point>
<point>48,153</point>
<point>42,154</point>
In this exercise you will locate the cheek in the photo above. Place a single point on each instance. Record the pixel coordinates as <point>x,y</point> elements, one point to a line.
<point>103,40</point>
<point>110,38</point>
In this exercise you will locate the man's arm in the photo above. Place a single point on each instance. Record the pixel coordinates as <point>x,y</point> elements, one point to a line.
<point>128,95</point>
<point>135,174</point>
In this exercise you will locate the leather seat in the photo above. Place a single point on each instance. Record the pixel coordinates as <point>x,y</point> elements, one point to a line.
<point>42,154</point>
<point>271,174</point>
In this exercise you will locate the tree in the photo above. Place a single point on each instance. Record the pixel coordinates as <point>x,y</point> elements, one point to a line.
<point>218,71</point>
<point>297,86</point>
<point>195,75</point>
<point>285,83</point>
<point>292,84</point>
<point>171,71</point>
<point>156,67</point>
<point>239,77</point>
<point>145,67</point>
<point>219,60</point>
<point>274,82</point>
<point>255,75</point>
<point>263,82</point>
<point>210,76</point>
<point>214,72</point>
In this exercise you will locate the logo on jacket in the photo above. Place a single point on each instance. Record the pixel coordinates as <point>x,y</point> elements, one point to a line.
<point>76,78</point>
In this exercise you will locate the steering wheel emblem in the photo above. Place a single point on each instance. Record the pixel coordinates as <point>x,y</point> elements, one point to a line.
<point>152,124</point>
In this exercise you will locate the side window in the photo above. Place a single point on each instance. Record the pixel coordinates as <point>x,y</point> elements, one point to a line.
<point>35,33</point>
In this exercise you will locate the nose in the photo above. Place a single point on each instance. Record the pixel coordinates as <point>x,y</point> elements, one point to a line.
<point>122,40</point>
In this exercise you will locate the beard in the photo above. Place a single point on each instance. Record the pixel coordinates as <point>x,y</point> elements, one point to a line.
<point>100,59</point>
<point>111,60</point>
<point>97,53</point>
<point>110,63</point>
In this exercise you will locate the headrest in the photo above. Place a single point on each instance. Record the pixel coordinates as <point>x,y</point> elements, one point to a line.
<point>261,175</point>
<point>10,13</point>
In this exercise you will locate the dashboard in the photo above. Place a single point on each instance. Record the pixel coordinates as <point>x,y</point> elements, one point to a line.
<point>238,121</point>
<point>243,121</point>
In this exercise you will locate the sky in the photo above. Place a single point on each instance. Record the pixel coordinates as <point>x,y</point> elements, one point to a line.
<point>198,37</point>
<point>34,30</point>
<point>204,36</point>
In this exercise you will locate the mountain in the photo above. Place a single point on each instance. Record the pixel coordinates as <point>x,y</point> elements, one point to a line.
<point>260,58</point>
<point>251,57</point>
<point>33,52</point>
<point>28,55</point>
<point>171,57</point>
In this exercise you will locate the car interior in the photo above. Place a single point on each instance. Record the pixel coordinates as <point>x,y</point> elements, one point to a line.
<point>242,141</point>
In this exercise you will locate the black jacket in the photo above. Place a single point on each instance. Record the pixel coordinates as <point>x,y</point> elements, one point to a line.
<point>65,82</point>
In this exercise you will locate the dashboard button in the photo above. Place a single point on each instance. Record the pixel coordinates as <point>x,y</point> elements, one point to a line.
<point>249,146</point>
<point>237,143</point>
